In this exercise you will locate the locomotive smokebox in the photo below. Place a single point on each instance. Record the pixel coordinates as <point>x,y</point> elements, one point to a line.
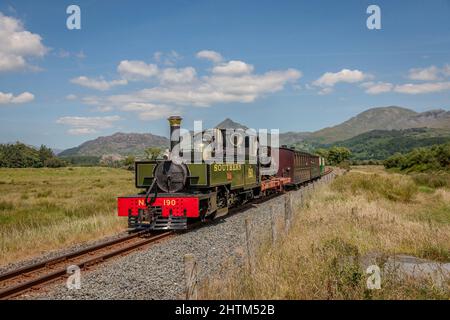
<point>175,124</point>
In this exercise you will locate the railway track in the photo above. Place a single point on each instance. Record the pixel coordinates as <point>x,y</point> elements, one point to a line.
<point>21,280</point>
<point>34,276</point>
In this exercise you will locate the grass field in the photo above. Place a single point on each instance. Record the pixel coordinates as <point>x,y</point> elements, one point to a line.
<point>45,209</point>
<point>363,213</point>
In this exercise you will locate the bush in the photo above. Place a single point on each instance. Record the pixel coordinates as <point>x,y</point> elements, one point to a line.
<point>436,157</point>
<point>55,163</point>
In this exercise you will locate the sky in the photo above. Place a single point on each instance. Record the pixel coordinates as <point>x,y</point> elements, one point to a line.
<point>288,65</point>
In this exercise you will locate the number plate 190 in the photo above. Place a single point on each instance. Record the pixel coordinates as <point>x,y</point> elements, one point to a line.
<point>169,202</point>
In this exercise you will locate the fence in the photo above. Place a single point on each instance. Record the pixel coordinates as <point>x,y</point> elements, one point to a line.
<point>291,201</point>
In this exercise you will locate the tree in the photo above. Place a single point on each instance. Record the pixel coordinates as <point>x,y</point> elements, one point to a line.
<point>129,162</point>
<point>336,155</point>
<point>322,152</point>
<point>153,153</point>
<point>45,154</point>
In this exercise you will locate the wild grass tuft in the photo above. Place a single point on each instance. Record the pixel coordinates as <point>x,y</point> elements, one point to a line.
<point>395,187</point>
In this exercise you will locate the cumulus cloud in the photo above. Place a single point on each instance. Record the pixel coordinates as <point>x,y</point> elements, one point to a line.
<point>431,73</point>
<point>135,70</point>
<point>168,59</point>
<point>213,89</point>
<point>377,87</point>
<point>422,88</point>
<point>233,68</point>
<point>173,75</point>
<point>9,98</point>
<point>234,81</point>
<point>173,88</point>
<point>98,84</point>
<point>425,74</point>
<point>81,131</point>
<point>329,79</point>
<point>71,97</point>
<point>210,55</point>
<point>17,45</point>
<point>446,70</point>
<point>150,111</point>
<point>87,125</point>
<point>325,91</point>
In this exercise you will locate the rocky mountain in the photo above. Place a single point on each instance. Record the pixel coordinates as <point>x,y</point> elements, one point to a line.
<point>230,124</point>
<point>384,118</point>
<point>290,138</point>
<point>119,143</point>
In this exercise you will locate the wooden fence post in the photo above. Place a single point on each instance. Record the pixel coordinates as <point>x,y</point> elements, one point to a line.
<point>287,212</point>
<point>248,240</point>
<point>273,224</point>
<point>190,274</point>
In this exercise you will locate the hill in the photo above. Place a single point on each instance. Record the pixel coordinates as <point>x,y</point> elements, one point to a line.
<point>384,118</point>
<point>119,143</point>
<point>230,124</point>
<point>381,144</point>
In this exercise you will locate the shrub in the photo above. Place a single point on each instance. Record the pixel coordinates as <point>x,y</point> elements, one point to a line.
<point>436,157</point>
<point>55,163</point>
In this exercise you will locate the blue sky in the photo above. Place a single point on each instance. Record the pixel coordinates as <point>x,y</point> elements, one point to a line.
<point>292,65</point>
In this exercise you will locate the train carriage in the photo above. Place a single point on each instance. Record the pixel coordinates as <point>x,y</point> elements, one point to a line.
<point>176,193</point>
<point>299,166</point>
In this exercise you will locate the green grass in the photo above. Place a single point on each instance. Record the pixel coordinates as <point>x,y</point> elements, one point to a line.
<point>335,228</point>
<point>44,209</point>
<point>395,187</point>
<point>432,180</point>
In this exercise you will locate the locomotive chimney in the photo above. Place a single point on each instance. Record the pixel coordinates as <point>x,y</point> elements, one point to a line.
<point>175,123</point>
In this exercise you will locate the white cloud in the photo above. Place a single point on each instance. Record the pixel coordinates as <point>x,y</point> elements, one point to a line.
<point>80,55</point>
<point>150,111</point>
<point>422,88</point>
<point>87,125</point>
<point>377,87</point>
<point>98,84</point>
<point>17,44</point>
<point>425,74</point>
<point>179,87</point>
<point>446,70</point>
<point>233,67</point>
<point>168,59</point>
<point>183,75</point>
<point>135,70</point>
<point>329,79</point>
<point>210,55</point>
<point>71,97</point>
<point>213,89</point>
<point>9,98</point>
<point>62,53</point>
<point>325,91</point>
<point>81,131</point>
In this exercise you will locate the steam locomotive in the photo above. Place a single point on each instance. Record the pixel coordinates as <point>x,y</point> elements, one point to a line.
<point>176,193</point>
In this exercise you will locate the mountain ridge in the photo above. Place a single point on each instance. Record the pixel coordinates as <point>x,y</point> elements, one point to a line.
<point>379,118</point>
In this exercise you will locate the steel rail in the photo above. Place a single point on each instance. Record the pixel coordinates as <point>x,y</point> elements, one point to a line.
<point>12,291</point>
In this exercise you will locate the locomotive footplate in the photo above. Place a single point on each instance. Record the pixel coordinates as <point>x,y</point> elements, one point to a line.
<point>152,218</point>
